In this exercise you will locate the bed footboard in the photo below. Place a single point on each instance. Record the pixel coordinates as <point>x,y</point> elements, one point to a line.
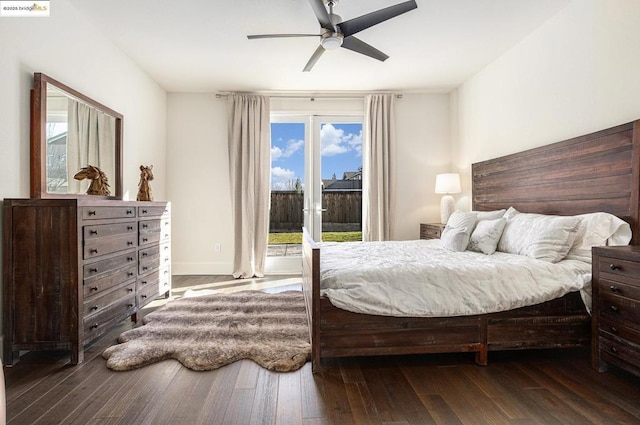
<point>311,290</point>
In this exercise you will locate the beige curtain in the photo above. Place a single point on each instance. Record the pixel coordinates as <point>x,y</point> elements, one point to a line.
<point>90,141</point>
<point>249,167</point>
<point>378,162</point>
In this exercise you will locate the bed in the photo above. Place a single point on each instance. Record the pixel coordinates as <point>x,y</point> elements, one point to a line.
<point>598,172</point>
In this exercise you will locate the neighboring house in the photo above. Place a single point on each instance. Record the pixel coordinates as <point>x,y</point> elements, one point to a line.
<point>351,180</point>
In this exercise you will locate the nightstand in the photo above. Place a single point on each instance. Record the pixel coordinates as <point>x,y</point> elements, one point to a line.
<point>615,337</point>
<point>431,230</point>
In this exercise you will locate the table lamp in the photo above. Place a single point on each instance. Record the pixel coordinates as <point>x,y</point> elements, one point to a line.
<point>447,183</point>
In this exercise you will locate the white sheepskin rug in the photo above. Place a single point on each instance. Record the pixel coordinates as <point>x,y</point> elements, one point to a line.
<point>210,331</point>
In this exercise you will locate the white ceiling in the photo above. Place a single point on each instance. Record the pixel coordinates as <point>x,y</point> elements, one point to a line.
<point>201,46</point>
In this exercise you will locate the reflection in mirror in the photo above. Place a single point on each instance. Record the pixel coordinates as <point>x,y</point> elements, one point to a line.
<point>71,131</point>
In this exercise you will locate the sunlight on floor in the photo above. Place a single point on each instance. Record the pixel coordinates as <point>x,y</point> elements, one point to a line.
<point>266,284</point>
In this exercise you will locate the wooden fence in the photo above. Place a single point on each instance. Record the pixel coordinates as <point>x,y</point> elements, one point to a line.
<point>343,211</point>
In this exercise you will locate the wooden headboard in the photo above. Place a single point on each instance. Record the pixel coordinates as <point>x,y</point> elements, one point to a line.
<point>595,172</point>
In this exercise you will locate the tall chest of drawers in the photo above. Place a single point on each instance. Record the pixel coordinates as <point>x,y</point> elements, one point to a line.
<point>74,268</point>
<point>616,308</point>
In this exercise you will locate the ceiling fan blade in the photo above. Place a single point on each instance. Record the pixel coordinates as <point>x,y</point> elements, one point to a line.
<point>355,25</point>
<point>253,37</point>
<point>322,14</point>
<point>359,46</point>
<point>314,58</point>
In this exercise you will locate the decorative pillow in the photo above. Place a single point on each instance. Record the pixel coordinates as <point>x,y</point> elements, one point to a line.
<point>510,213</point>
<point>545,237</point>
<point>598,229</point>
<point>486,235</point>
<point>455,236</point>
<point>489,215</point>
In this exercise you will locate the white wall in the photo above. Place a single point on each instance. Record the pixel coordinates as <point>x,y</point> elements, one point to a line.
<point>198,182</point>
<point>67,48</point>
<point>578,73</point>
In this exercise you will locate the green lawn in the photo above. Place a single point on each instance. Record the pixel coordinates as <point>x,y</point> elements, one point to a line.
<point>296,238</point>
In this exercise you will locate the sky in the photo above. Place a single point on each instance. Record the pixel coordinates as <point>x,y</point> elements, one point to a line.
<point>341,151</point>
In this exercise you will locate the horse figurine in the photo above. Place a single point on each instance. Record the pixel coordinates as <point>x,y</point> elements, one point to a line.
<point>99,181</point>
<point>144,190</point>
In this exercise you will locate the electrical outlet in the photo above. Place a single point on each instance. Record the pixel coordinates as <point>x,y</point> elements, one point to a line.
<point>218,247</point>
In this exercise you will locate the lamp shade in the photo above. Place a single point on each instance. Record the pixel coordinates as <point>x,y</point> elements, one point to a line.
<point>448,183</point>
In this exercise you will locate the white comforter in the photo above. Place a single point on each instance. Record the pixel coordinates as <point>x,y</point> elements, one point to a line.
<point>419,278</point>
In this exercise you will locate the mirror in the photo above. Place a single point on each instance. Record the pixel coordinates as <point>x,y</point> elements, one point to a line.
<point>68,132</point>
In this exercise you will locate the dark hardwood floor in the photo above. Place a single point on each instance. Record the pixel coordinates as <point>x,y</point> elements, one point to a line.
<point>528,387</point>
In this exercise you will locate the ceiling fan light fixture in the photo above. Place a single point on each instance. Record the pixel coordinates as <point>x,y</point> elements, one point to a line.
<point>332,41</point>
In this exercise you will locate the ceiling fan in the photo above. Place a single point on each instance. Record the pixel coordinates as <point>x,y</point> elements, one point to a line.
<point>336,33</point>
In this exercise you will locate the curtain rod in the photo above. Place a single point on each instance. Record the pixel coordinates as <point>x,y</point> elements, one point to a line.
<point>311,97</point>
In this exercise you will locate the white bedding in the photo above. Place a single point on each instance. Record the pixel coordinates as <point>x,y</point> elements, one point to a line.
<point>419,278</point>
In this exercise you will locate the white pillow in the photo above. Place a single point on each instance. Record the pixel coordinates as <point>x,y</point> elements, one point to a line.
<point>545,237</point>
<point>598,229</point>
<point>510,213</point>
<point>455,236</point>
<point>486,235</point>
<point>489,215</point>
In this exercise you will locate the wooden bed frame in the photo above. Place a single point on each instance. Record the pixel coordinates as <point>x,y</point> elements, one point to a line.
<point>595,172</point>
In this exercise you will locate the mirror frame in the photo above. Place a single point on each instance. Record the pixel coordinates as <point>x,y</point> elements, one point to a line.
<point>38,156</point>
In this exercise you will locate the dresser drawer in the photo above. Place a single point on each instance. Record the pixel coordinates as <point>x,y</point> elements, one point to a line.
<point>101,322</point>
<point>619,270</point>
<point>93,305</point>
<point>164,284</point>
<point>621,310</point>
<point>98,213</point>
<point>147,292</point>
<point>615,349</point>
<point>107,281</point>
<point>91,233</point>
<point>152,211</point>
<point>154,257</point>
<point>607,286</point>
<point>103,246</point>
<point>430,231</point>
<point>611,330</point>
<point>109,265</point>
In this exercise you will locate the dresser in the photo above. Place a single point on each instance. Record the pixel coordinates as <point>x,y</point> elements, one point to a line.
<point>616,308</point>
<point>431,230</point>
<point>74,268</point>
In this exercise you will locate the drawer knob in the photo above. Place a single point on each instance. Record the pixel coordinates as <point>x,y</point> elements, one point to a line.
<point>129,243</point>
<point>129,289</point>
<point>129,211</point>
<point>614,267</point>
<point>144,226</point>
<point>145,268</point>
<point>614,308</point>
<point>92,212</point>
<point>129,227</point>
<point>144,211</point>
<point>144,254</point>
<point>143,297</point>
<point>614,349</point>
<point>144,239</point>
<point>129,258</point>
<point>94,288</point>
<point>614,329</point>
<point>93,251</point>
<point>614,288</point>
<point>92,270</point>
<point>94,326</point>
<point>94,308</point>
<point>93,232</point>
<point>129,305</point>
<point>129,274</point>
<point>144,282</point>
